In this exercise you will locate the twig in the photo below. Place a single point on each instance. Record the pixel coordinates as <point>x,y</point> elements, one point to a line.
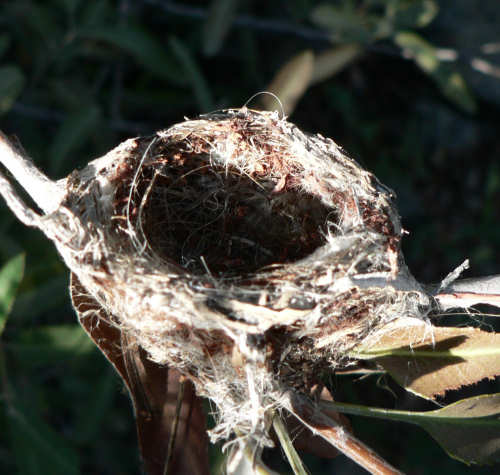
<point>319,423</point>
<point>17,206</point>
<point>466,299</point>
<point>44,192</point>
<point>468,292</point>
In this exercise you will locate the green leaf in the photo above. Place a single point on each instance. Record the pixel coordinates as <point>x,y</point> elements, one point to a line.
<point>415,14</point>
<point>469,430</point>
<point>50,344</point>
<point>11,275</point>
<point>42,298</point>
<point>345,23</point>
<point>447,78</point>
<point>142,46</point>
<point>287,445</point>
<point>37,448</point>
<point>75,129</point>
<point>11,84</point>
<point>220,17</point>
<point>193,74</point>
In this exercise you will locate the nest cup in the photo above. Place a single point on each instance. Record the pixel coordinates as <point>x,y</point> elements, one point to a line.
<point>243,252</point>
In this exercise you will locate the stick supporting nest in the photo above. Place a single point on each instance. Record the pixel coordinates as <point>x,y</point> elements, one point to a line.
<point>243,252</point>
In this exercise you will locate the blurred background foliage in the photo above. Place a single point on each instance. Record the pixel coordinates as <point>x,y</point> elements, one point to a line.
<point>411,88</point>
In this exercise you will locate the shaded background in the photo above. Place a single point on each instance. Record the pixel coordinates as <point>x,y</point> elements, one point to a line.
<point>419,106</point>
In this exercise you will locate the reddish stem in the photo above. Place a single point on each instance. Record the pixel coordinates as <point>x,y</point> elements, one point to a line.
<point>320,423</point>
<point>467,299</point>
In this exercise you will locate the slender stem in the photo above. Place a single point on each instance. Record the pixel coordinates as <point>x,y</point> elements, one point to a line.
<point>17,206</point>
<point>335,434</point>
<point>290,452</point>
<point>44,192</point>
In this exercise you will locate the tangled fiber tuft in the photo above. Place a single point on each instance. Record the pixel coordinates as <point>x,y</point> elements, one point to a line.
<point>245,253</point>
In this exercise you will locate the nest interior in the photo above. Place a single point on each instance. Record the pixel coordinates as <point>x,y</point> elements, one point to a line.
<point>213,218</point>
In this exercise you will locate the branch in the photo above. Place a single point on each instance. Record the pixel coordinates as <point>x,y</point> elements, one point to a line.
<point>319,423</point>
<point>44,192</point>
<point>26,215</point>
<point>468,292</point>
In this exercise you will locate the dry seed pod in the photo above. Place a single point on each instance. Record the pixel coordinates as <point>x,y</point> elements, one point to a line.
<point>241,251</point>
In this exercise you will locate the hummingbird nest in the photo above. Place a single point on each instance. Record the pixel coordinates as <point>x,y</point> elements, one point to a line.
<point>245,253</point>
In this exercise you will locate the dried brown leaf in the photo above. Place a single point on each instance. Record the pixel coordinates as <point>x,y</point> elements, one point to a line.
<point>432,360</point>
<point>153,389</point>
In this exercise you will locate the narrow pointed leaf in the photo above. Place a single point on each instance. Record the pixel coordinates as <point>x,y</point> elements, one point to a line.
<point>332,61</point>
<point>77,127</point>
<point>220,17</point>
<point>447,78</point>
<point>431,360</point>
<point>11,275</point>
<point>287,445</point>
<point>193,74</point>
<point>290,83</point>
<point>469,430</point>
<point>415,14</point>
<point>346,23</point>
